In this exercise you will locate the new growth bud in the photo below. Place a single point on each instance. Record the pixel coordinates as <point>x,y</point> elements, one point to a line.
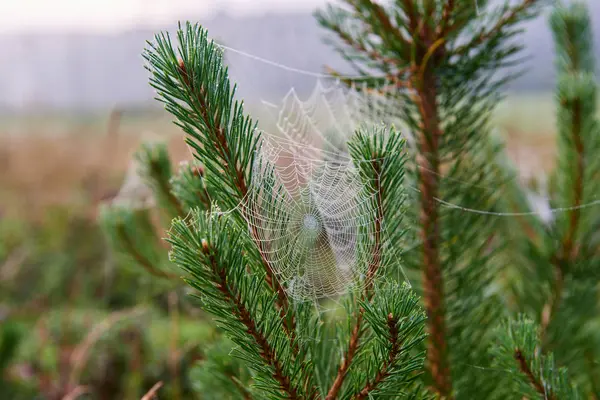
<point>205,247</point>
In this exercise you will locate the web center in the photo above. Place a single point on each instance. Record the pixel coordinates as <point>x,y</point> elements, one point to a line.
<point>311,223</point>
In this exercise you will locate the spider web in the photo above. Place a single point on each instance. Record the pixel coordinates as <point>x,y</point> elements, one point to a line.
<point>331,114</point>
<point>308,208</point>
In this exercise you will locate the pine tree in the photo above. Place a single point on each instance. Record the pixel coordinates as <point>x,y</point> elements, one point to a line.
<point>442,58</point>
<point>556,282</point>
<point>276,336</point>
<point>449,190</point>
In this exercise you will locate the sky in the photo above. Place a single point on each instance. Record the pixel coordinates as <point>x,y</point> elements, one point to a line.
<point>115,15</point>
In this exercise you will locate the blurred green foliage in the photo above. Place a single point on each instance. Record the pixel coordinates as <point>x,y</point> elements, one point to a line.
<point>75,317</point>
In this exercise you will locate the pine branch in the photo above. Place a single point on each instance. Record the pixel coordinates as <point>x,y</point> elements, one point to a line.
<point>446,98</point>
<point>214,252</point>
<point>132,234</point>
<point>190,186</point>
<point>382,174</point>
<point>517,350</point>
<point>384,170</point>
<point>375,261</point>
<point>533,380</point>
<point>572,37</point>
<point>195,88</point>
<point>384,371</point>
<point>148,265</point>
<point>510,17</point>
<point>243,315</point>
<point>397,323</point>
<point>576,115</point>
<point>155,170</point>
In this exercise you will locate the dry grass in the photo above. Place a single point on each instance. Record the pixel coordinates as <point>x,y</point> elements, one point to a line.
<point>78,163</point>
<point>75,168</point>
<point>533,154</point>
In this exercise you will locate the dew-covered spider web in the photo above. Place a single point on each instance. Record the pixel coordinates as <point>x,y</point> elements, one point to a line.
<point>327,119</point>
<point>314,217</point>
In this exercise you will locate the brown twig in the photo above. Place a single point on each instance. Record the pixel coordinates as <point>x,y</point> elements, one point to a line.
<point>151,394</point>
<point>243,391</point>
<point>347,360</point>
<point>165,188</point>
<point>359,47</point>
<point>141,259</point>
<point>396,80</point>
<point>444,25</point>
<point>413,24</point>
<point>389,28</point>
<point>80,355</point>
<point>533,380</point>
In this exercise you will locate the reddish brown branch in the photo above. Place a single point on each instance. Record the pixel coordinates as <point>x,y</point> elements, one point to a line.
<point>347,360</point>
<point>424,91</point>
<point>384,371</point>
<point>533,380</point>
<point>411,13</point>
<point>433,284</point>
<point>243,315</point>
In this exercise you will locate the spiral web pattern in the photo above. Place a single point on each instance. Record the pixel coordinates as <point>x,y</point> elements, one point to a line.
<point>310,211</point>
<point>328,118</point>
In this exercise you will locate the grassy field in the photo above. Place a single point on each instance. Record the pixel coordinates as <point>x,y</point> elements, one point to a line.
<point>65,292</point>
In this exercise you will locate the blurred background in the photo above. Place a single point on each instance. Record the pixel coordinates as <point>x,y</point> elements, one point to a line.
<point>74,106</point>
